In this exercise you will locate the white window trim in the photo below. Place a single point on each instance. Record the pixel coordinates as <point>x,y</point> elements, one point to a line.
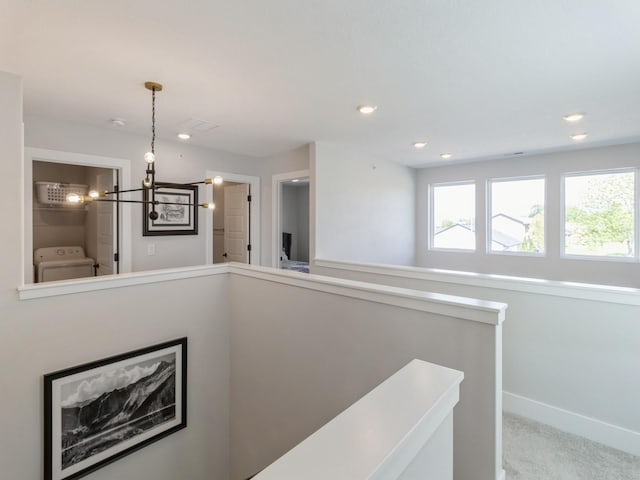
<point>636,230</point>
<point>430,237</point>
<point>489,216</point>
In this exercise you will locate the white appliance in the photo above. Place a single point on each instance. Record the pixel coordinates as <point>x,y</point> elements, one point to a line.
<point>61,263</point>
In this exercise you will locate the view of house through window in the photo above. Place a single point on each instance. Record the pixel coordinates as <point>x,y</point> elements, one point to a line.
<point>453,216</point>
<point>517,215</point>
<point>599,214</point>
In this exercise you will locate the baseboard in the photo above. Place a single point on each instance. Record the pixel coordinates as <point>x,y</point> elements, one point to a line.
<point>596,430</point>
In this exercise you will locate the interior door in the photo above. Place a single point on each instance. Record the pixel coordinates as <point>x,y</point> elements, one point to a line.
<point>236,223</point>
<point>105,223</point>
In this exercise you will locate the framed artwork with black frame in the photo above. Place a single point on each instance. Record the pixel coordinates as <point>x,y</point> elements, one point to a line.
<point>101,411</point>
<point>177,208</point>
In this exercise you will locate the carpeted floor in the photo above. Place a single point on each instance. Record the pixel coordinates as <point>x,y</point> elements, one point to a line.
<point>533,451</point>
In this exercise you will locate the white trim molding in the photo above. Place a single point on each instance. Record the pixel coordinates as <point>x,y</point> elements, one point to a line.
<point>92,284</point>
<point>483,311</point>
<point>591,428</point>
<point>460,307</point>
<point>584,291</point>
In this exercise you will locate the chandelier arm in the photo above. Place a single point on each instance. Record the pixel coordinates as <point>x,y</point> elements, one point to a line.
<point>148,202</point>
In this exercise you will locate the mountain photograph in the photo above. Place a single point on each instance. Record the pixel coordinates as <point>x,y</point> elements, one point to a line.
<point>103,411</point>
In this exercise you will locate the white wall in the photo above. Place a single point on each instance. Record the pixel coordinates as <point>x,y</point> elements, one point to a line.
<point>44,335</point>
<point>551,266</point>
<point>364,207</point>
<point>570,361</point>
<point>292,161</point>
<point>176,161</point>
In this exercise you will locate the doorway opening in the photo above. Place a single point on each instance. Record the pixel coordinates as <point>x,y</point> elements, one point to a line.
<point>233,231</point>
<point>291,221</point>
<point>62,240</point>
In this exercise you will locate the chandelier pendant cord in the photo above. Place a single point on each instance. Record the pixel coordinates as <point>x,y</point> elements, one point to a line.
<point>149,182</point>
<point>153,151</point>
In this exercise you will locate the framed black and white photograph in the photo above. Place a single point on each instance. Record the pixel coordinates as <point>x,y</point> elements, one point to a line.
<point>177,208</point>
<point>101,411</point>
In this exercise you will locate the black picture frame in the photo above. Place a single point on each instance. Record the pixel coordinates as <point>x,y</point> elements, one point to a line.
<point>100,411</point>
<point>177,210</point>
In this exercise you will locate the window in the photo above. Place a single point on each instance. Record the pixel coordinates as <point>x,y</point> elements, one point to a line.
<point>516,223</point>
<point>453,212</point>
<point>599,214</point>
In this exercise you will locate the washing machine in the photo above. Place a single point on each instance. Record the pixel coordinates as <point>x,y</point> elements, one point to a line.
<point>61,263</point>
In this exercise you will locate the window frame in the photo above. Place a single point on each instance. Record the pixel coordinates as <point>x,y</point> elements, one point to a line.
<point>489,216</point>
<point>431,235</point>
<point>636,216</point>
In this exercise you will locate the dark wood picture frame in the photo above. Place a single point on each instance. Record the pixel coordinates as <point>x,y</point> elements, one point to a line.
<point>145,393</point>
<point>177,210</point>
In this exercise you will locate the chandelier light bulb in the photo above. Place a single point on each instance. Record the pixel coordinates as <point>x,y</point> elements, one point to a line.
<point>147,182</point>
<point>149,157</point>
<point>217,180</point>
<point>74,198</point>
<point>94,194</point>
<point>211,206</point>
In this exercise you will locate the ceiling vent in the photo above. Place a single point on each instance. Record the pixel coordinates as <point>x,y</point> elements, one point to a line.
<point>196,125</point>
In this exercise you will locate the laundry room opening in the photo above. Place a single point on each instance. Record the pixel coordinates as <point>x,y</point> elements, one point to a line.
<point>73,240</point>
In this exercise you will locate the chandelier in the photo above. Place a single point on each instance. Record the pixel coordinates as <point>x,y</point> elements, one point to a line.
<point>149,184</point>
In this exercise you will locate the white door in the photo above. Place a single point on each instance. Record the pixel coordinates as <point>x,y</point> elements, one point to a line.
<point>236,223</point>
<point>105,222</point>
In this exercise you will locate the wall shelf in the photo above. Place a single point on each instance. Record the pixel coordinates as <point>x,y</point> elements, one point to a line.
<point>54,208</point>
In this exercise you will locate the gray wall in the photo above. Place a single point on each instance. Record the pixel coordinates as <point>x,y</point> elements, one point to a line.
<point>44,335</point>
<point>364,207</point>
<point>297,360</point>
<point>581,356</point>
<point>551,266</point>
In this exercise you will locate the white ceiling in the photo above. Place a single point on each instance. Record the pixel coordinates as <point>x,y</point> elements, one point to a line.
<point>475,78</point>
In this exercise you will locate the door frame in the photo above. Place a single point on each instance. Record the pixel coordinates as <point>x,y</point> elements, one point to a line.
<point>55,156</point>
<point>254,214</point>
<point>276,211</point>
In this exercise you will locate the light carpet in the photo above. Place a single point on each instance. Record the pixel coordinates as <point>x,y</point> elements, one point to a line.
<point>534,451</point>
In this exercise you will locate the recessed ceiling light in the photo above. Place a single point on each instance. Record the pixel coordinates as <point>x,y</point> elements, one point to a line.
<point>367,109</point>
<point>579,136</point>
<point>446,156</point>
<point>420,144</point>
<point>295,180</point>
<point>118,122</point>
<point>184,136</point>
<point>573,117</point>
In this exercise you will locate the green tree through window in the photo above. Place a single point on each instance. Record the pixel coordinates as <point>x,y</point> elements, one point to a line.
<point>600,214</point>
